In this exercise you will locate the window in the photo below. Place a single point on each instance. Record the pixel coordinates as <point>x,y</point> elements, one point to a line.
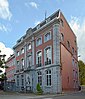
<point>29,46</point>
<point>68,44</point>
<point>38,26</point>
<point>40,78</point>
<point>18,63</point>
<point>61,22</point>
<point>39,41</point>
<point>48,56</point>
<point>48,20</point>
<point>22,50</point>
<point>17,80</point>
<point>22,62</point>
<point>22,80</point>
<point>17,53</point>
<point>48,77</point>
<point>72,50</point>
<point>39,58</point>
<point>62,37</point>
<point>47,36</point>
<point>73,63</point>
<point>75,42</point>
<point>29,60</point>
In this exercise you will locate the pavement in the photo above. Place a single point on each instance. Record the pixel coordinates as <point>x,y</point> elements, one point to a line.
<point>66,95</point>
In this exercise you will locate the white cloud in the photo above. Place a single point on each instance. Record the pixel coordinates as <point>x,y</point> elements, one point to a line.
<point>36,23</point>
<point>5,50</point>
<point>33,4</point>
<point>78,27</point>
<point>4,10</point>
<point>5,28</point>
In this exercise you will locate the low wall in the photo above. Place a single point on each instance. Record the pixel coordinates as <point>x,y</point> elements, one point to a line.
<point>82,87</point>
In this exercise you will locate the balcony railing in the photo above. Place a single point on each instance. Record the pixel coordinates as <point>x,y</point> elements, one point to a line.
<point>39,65</point>
<point>17,71</point>
<point>22,69</point>
<point>48,62</point>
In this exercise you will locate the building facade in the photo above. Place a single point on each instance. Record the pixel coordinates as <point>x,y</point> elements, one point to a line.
<point>47,54</point>
<point>10,73</point>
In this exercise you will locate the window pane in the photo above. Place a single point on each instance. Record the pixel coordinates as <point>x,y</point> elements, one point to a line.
<point>29,46</point>
<point>48,56</point>
<point>39,58</point>
<point>48,36</point>
<point>48,79</point>
<point>39,41</point>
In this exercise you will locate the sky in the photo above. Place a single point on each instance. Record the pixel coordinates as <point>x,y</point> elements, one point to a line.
<point>16,16</point>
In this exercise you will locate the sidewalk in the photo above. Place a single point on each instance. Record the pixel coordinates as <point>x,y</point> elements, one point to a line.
<point>34,94</point>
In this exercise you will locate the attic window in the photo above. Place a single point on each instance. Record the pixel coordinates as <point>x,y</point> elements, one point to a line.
<point>47,20</point>
<point>61,22</point>
<point>38,26</point>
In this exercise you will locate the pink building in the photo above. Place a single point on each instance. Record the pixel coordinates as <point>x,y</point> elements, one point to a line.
<point>47,54</point>
<point>11,68</point>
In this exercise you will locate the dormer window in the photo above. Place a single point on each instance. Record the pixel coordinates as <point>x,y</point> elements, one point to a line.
<point>61,22</point>
<point>38,26</point>
<point>47,20</point>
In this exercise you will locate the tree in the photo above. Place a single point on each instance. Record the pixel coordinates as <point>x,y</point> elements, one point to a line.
<point>39,90</point>
<point>81,65</point>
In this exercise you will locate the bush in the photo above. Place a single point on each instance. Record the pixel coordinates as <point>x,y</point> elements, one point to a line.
<point>39,90</point>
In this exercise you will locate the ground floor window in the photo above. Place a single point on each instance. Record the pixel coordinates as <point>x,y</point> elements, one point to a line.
<point>48,77</point>
<point>40,78</point>
<point>17,80</point>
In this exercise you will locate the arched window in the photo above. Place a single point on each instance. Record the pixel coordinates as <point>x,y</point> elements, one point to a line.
<point>48,55</point>
<point>68,44</point>
<point>62,37</point>
<point>39,58</point>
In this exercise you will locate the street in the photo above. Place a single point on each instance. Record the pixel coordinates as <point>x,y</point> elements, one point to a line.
<point>79,95</point>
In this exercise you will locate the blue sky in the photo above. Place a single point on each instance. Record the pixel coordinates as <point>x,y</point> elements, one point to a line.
<point>16,16</point>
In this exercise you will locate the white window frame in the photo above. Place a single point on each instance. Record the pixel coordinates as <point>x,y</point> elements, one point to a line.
<point>29,46</point>
<point>37,41</point>
<point>22,50</point>
<point>17,80</point>
<point>28,60</point>
<point>45,53</point>
<point>37,56</point>
<point>48,32</point>
<point>22,63</point>
<point>18,53</point>
<point>62,37</point>
<point>39,77</point>
<point>22,80</point>
<point>48,78</point>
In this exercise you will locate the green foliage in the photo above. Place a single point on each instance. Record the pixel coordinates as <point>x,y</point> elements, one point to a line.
<point>39,90</point>
<point>81,65</point>
<point>1,63</point>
